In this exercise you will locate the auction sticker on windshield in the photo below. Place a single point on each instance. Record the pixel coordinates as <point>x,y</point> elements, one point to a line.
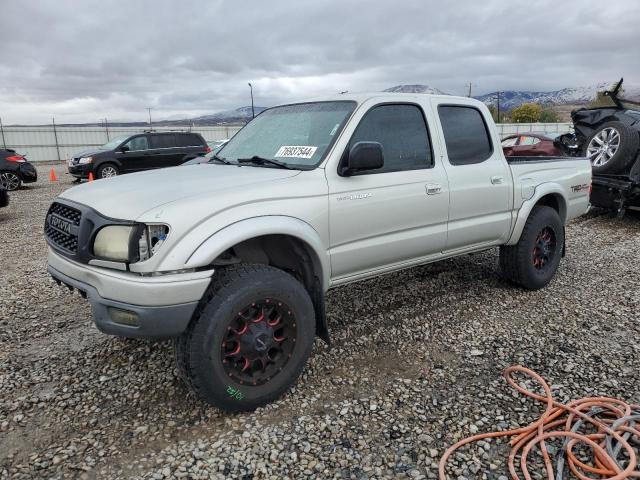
<point>295,151</point>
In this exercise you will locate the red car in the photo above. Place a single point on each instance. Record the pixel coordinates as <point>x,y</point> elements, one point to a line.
<point>532,145</point>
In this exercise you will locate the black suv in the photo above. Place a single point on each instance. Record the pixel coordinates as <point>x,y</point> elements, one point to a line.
<point>141,151</point>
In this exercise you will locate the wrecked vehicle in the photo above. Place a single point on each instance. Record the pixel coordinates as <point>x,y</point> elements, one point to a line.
<point>233,257</point>
<point>610,137</point>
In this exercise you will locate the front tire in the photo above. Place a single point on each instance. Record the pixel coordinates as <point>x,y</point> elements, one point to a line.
<point>10,181</point>
<point>533,261</point>
<point>107,170</point>
<point>250,338</point>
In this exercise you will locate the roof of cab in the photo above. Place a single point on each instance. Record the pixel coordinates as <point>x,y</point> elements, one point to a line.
<point>387,96</point>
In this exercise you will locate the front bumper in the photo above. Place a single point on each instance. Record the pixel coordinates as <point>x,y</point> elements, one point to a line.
<point>80,170</point>
<point>163,305</point>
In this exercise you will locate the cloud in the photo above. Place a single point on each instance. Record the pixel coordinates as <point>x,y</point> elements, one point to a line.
<point>80,61</point>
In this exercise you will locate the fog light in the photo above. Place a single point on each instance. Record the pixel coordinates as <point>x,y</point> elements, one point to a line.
<point>124,317</point>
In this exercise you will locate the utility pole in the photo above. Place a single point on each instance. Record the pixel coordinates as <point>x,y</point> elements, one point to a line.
<point>4,143</point>
<point>55,136</point>
<point>106,128</point>
<point>253,113</point>
<point>469,90</point>
<point>498,101</point>
<point>149,110</point>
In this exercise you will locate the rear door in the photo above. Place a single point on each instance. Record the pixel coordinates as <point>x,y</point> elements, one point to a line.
<point>398,213</point>
<point>165,152</point>
<point>480,184</point>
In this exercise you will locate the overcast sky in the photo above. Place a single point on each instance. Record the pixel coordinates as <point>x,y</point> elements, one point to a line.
<point>84,60</point>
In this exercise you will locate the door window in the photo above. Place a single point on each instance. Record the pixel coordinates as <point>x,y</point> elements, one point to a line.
<point>188,140</point>
<point>465,134</point>
<point>525,140</point>
<point>163,141</point>
<point>138,143</point>
<point>509,142</point>
<point>402,132</point>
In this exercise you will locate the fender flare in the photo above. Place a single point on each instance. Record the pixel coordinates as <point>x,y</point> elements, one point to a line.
<point>526,207</point>
<point>254,227</point>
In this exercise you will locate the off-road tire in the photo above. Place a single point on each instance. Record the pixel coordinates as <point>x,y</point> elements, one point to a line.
<point>198,349</point>
<point>517,261</point>
<point>627,150</point>
<point>100,173</point>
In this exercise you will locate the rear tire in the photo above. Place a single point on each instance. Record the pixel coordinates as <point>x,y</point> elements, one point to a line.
<point>249,339</point>
<point>107,170</point>
<point>533,261</point>
<point>612,147</point>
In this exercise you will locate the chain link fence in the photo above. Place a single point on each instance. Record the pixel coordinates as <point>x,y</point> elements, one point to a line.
<point>52,142</point>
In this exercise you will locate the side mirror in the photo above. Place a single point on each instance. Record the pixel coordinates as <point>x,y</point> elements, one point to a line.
<point>124,149</point>
<point>363,156</point>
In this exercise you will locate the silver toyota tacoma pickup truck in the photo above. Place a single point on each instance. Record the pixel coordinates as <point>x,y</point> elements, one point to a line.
<point>233,257</point>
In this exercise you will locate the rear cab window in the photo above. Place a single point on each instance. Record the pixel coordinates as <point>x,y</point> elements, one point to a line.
<point>466,134</point>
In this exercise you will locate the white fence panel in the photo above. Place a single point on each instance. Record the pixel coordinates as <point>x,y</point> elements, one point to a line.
<point>43,144</point>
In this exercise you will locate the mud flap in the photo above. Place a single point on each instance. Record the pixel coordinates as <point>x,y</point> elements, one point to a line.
<point>322,329</point>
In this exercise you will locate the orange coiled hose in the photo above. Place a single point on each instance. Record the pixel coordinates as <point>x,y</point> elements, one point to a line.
<point>615,430</point>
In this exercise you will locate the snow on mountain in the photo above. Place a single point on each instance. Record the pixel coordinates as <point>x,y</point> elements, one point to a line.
<point>575,96</point>
<point>415,89</point>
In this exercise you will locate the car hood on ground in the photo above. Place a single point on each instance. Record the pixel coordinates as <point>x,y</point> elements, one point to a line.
<point>127,197</point>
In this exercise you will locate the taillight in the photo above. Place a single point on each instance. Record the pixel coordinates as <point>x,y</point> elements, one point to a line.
<point>15,158</point>
<point>208,150</point>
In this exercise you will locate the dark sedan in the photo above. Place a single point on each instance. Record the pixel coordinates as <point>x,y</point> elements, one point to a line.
<point>15,170</point>
<point>532,144</point>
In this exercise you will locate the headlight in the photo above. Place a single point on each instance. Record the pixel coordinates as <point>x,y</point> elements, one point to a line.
<point>112,242</point>
<point>85,160</point>
<point>151,239</point>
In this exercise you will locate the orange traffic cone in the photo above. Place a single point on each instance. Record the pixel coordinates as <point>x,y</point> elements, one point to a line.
<point>52,175</point>
<point>91,176</point>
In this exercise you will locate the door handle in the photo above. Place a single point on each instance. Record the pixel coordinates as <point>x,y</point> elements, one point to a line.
<point>497,180</point>
<point>433,188</point>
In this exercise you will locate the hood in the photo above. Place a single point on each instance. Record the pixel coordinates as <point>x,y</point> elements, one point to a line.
<point>127,197</point>
<point>86,153</point>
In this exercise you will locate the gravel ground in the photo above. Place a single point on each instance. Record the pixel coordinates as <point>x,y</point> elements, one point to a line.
<point>415,366</point>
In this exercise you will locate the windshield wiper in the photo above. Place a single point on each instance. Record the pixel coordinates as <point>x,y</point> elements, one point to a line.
<point>257,160</point>
<point>221,160</point>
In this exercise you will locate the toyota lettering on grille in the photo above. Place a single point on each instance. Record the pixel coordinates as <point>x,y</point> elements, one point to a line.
<point>61,224</point>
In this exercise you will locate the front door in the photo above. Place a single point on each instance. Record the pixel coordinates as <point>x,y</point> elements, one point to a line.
<point>398,213</point>
<point>137,155</point>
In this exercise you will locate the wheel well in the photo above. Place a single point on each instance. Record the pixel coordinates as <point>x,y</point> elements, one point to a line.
<point>556,202</point>
<point>287,253</point>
